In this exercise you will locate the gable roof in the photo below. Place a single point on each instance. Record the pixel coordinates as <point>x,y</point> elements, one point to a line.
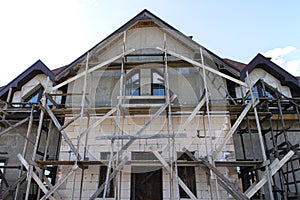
<point>37,68</point>
<point>143,15</point>
<point>259,61</point>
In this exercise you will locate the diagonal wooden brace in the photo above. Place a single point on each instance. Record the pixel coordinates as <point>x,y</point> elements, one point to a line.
<point>203,66</point>
<point>223,181</point>
<point>34,176</point>
<point>234,127</point>
<point>105,63</point>
<point>63,133</point>
<point>168,168</point>
<point>274,167</point>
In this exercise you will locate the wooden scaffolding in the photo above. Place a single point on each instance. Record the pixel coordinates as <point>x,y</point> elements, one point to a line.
<point>277,169</point>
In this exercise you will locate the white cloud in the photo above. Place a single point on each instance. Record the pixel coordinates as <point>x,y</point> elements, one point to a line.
<point>293,67</point>
<point>277,53</point>
<point>279,56</point>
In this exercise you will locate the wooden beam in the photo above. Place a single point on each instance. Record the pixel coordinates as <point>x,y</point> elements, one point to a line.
<point>63,133</point>
<point>225,183</point>
<point>98,122</point>
<point>6,192</point>
<point>148,136</point>
<point>34,176</point>
<point>128,144</point>
<point>69,122</point>
<point>59,183</point>
<point>193,114</point>
<point>111,177</point>
<point>274,167</point>
<point>168,168</point>
<point>51,99</point>
<point>14,126</point>
<point>92,69</point>
<point>234,128</point>
<point>203,66</point>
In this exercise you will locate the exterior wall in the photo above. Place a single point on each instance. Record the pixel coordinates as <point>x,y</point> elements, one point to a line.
<point>12,144</point>
<point>130,125</point>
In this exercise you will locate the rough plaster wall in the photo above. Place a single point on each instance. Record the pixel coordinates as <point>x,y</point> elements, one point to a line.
<point>40,79</point>
<point>257,74</point>
<point>13,143</point>
<point>130,126</point>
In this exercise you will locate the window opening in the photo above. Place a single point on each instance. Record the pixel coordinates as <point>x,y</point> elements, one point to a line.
<point>133,85</point>
<point>187,175</point>
<point>157,86</point>
<point>110,193</point>
<point>2,163</point>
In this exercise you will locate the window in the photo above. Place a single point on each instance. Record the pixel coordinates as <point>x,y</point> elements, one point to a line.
<point>110,192</point>
<point>157,86</point>
<point>187,175</point>
<point>133,85</point>
<point>34,95</point>
<point>138,83</point>
<point>2,163</point>
<point>110,187</point>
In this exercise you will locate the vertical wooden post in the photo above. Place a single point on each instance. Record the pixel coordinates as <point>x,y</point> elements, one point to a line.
<point>81,120</point>
<point>41,174</point>
<point>25,149</point>
<point>211,156</point>
<point>261,141</point>
<point>172,151</point>
<point>38,135</point>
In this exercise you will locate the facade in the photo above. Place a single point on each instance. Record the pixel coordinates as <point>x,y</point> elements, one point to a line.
<point>148,113</point>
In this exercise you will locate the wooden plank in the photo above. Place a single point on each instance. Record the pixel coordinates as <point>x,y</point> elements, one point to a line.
<point>261,139</point>
<point>36,145</point>
<point>128,144</point>
<point>12,187</point>
<point>51,99</point>
<point>273,168</point>
<point>111,177</point>
<point>233,128</point>
<point>14,126</point>
<point>4,179</point>
<point>203,66</point>
<point>98,122</point>
<point>29,129</point>
<point>92,69</point>
<point>168,168</point>
<point>34,176</point>
<point>193,114</point>
<point>225,183</point>
<point>153,117</point>
<point>148,136</point>
<point>59,183</point>
<point>69,122</point>
<point>63,133</point>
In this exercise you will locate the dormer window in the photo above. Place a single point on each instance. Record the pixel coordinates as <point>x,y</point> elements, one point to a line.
<point>34,95</point>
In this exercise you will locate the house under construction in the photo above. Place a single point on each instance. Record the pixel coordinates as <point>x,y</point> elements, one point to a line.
<point>148,114</point>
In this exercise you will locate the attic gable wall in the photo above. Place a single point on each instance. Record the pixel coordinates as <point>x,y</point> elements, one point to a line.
<point>259,73</point>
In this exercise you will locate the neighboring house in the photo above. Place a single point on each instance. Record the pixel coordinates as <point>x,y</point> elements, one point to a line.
<point>148,113</point>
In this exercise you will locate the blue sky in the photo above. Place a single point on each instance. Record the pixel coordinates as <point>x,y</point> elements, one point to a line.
<point>59,31</point>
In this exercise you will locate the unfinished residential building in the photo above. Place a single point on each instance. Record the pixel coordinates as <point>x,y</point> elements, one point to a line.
<point>148,114</point>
